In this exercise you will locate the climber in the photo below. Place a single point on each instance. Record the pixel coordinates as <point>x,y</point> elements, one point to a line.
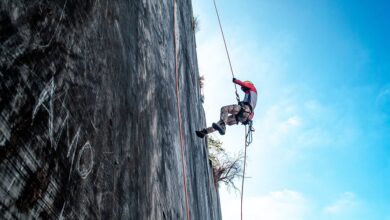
<point>242,112</point>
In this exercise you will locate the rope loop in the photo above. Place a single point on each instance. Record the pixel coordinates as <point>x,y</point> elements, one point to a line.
<point>249,134</point>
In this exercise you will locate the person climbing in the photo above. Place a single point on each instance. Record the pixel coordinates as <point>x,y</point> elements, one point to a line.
<point>232,114</point>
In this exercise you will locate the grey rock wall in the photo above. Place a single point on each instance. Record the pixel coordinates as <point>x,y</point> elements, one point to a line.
<point>88,116</point>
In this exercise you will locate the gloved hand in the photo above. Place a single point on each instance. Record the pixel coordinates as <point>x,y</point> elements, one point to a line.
<point>234,79</point>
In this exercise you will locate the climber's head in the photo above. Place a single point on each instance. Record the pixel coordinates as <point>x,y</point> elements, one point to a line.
<point>243,88</point>
<point>247,81</point>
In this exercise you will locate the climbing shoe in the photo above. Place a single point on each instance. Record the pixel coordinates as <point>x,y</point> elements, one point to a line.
<point>220,128</point>
<point>201,133</point>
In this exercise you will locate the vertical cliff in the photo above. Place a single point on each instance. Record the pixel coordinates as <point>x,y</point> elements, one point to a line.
<point>88,115</point>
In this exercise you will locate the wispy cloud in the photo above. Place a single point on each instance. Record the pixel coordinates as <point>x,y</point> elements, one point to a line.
<point>279,205</point>
<point>294,121</point>
<point>346,202</point>
<point>383,94</point>
<point>383,102</point>
<point>279,125</point>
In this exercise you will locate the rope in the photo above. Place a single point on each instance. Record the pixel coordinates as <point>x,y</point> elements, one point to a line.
<point>178,109</point>
<point>243,172</point>
<point>248,140</point>
<point>248,133</point>
<point>226,48</point>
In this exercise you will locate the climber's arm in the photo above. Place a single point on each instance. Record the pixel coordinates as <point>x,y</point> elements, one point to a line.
<point>244,84</point>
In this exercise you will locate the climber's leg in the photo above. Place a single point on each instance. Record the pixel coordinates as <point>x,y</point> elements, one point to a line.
<point>220,127</point>
<point>229,109</point>
<point>233,110</point>
<point>228,117</point>
<point>231,120</point>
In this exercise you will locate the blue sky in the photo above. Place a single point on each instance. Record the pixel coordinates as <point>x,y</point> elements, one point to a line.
<point>322,69</point>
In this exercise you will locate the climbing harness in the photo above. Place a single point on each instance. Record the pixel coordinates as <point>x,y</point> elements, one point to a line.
<point>240,114</point>
<point>178,108</point>
<point>227,51</point>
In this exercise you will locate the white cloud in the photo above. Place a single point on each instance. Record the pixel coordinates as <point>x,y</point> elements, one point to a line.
<point>279,205</point>
<point>278,123</point>
<point>315,109</point>
<point>294,121</point>
<point>346,202</point>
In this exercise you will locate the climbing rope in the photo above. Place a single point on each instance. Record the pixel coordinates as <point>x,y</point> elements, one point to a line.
<point>248,128</point>
<point>248,140</point>
<point>226,48</point>
<point>178,108</point>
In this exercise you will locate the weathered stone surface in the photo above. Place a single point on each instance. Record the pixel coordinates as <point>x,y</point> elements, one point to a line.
<point>88,117</point>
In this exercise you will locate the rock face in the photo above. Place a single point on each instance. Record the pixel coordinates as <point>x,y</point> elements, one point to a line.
<point>88,115</point>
